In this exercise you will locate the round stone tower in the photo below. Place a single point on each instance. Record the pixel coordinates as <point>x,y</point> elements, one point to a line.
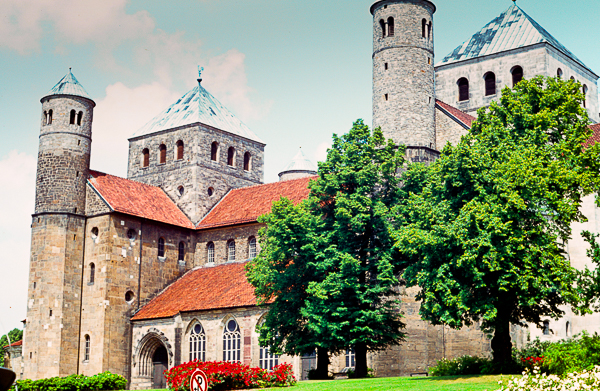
<point>403,73</point>
<point>64,152</point>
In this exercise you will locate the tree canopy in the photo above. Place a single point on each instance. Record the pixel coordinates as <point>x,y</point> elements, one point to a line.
<point>486,227</point>
<point>15,336</point>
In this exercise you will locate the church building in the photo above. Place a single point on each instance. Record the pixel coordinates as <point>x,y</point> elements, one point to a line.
<point>136,275</point>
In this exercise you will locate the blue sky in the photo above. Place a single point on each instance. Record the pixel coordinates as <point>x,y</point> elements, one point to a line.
<point>294,71</point>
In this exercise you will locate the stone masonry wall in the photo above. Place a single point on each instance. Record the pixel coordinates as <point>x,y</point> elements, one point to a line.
<point>220,237</point>
<point>447,130</point>
<point>403,73</point>
<point>94,205</point>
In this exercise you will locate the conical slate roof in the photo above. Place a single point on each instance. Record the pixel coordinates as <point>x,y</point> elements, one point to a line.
<point>300,163</point>
<point>68,85</point>
<point>513,29</point>
<point>198,105</point>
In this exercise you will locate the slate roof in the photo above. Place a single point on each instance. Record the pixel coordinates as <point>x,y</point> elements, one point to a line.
<point>138,199</point>
<point>245,205</point>
<point>68,85</point>
<point>457,114</point>
<point>198,105</point>
<point>511,30</point>
<point>204,288</point>
<point>300,163</point>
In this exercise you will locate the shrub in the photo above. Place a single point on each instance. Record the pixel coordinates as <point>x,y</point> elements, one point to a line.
<point>230,376</point>
<point>102,381</point>
<point>534,381</point>
<point>352,375</point>
<point>465,365</point>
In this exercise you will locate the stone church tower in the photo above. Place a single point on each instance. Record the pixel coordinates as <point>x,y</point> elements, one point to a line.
<point>404,76</point>
<point>55,277</point>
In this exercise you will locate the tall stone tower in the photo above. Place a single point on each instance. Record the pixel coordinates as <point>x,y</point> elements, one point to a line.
<point>403,74</point>
<point>58,228</point>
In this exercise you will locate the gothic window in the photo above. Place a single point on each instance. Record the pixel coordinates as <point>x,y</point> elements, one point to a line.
<point>232,338</point>
<point>350,358</point>
<point>252,248</point>
<point>72,118</point>
<point>181,251</point>
<point>50,117</point>
<point>79,118</point>
<point>517,75</point>
<point>490,83</point>
<point>247,161</point>
<point>390,27</point>
<point>210,253</point>
<point>92,273</point>
<point>584,90</point>
<point>231,251</point>
<point>161,247</point>
<point>424,28</point>
<point>231,156</point>
<point>86,353</point>
<point>163,153</point>
<point>546,327</point>
<point>463,89</point>
<point>382,24</point>
<point>179,150</point>
<point>267,360</point>
<point>145,157</point>
<point>214,151</point>
<point>559,73</point>
<point>197,343</point>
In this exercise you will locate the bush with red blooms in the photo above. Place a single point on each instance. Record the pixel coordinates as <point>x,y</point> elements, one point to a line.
<point>531,362</point>
<point>224,375</point>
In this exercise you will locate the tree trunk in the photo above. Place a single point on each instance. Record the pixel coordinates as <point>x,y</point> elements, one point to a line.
<point>322,363</point>
<point>360,357</point>
<point>501,343</point>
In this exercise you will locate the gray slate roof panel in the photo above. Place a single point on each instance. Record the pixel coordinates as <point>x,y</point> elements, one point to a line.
<point>198,105</point>
<point>300,163</point>
<point>68,85</point>
<point>513,29</point>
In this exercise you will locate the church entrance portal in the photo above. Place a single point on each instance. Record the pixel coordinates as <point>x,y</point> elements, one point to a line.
<point>160,363</point>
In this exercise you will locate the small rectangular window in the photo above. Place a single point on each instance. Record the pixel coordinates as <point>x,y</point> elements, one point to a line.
<point>386,96</point>
<point>386,66</point>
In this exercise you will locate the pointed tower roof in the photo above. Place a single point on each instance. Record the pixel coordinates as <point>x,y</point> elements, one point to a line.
<point>299,165</point>
<point>68,85</point>
<point>198,105</point>
<point>513,29</point>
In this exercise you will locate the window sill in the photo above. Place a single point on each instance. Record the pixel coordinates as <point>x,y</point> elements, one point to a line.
<point>90,283</point>
<point>161,164</point>
<point>162,259</point>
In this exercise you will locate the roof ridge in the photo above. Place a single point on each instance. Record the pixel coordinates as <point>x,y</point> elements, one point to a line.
<point>272,183</point>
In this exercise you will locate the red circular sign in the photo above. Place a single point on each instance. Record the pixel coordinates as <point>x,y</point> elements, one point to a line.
<point>198,381</point>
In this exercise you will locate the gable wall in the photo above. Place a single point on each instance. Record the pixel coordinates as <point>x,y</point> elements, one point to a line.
<point>220,237</point>
<point>447,130</point>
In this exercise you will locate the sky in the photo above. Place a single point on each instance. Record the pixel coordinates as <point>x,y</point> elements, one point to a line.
<point>295,71</point>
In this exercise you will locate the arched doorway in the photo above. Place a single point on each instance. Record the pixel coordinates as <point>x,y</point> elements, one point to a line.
<point>160,363</point>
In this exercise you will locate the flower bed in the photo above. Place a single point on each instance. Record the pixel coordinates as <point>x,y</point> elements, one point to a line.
<point>536,381</point>
<point>223,375</point>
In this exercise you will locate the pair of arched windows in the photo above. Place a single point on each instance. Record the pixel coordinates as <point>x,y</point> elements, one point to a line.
<point>426,29</point>
<point>387,27</point>
<point>162,152</point>
<point>232,342</point>
<point>48,117</point>
<point>231,156</point>
<point>76,117</point>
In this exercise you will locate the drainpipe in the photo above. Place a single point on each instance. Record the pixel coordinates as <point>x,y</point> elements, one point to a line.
<point>81,294</point>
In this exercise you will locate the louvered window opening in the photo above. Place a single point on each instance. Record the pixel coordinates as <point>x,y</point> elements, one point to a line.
<point>179,150</point>
<point>230,156</point>
<point>463,89</point>
<point>490,84</point>
<point>146,157</point>
<point>163,153</point>
<point>214,151</point>
<point>517,75</point>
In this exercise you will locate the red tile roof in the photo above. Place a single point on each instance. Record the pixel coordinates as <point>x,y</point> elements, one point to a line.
<point>138,199</point>
<point>206,288</point>
<point>595,137</point>
<point>245,205</point>
<point>18,343</point>
<point>456,113</point>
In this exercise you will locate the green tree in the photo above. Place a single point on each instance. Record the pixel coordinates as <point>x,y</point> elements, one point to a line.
<point>485,234</point>
<point>15,335</point>
<point>328,266</point>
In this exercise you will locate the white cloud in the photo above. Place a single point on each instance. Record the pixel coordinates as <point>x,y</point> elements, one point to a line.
<point>17,173</point>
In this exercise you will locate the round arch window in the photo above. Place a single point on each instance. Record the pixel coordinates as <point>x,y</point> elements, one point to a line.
<point>94,233</point>
<point>131,235</point>
<point>211,191</point>
<point>129,296</point>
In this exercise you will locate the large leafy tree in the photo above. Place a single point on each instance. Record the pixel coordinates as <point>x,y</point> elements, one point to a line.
<point>328,266</point>
<point>15,335</point>
<point>486,231</point>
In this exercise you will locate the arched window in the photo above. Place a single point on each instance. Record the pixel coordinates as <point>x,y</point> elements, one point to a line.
<point>490,83</point>
<point>573,78</point>
<point>145,157</point>
<point>559,73</point>
<point>50,117</point>
<point>267,360</point>
<point>163,153</point>
<point>546,327</point>
<point>350,358</point>
<point>390,27</point>
<point>231,156</point>
<point>584,90</point>
<point>463,89</point>
<point>214,151</point>
<point>92,273</point>
<point>231,251</point>
<point>210,253</point>
<point>79,118</point>
<point>247,161</point>
<point>517,75</point>
<point>45,120</point>
<point>382,24</point>
<point>567,329</point>
<point>179,150</point>
<point>87,346</point>
<point>424,28</point>
<point>181,255</point>
<point>72,118</point>
<point>161,247</point>
<point>252,247</point>
<point>197,343</point>
<point>232,338</point>
<point>429,31</point>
